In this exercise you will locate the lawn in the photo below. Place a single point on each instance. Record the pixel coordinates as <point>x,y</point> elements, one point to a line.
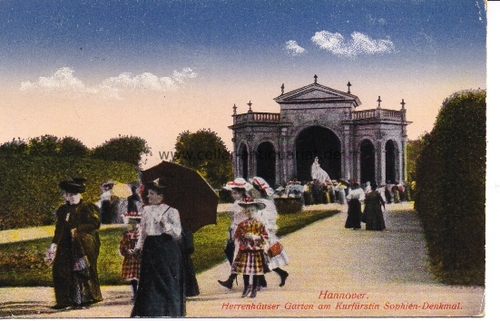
<point>22,263</point>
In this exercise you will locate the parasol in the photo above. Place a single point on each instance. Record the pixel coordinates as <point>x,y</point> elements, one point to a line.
<point>121,190</point>
<point>188,192</point>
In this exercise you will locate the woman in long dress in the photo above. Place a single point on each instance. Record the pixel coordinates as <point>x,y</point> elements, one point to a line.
<point>161,289</point>
<point>76,237</point>
<point>354,200</point>
<point>318,173</point>
<point>373,210</point>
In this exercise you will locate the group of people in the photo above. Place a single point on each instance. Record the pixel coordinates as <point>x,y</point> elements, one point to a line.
<point>374,206</point>
<point>156,251</point>
<point>253,248</point>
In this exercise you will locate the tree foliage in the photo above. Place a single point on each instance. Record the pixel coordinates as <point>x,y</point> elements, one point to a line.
<point>126,149</point>
<point>205,152</point>
<point>451,174</point>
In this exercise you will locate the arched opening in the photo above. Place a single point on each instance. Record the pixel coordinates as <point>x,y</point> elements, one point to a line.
<point>390,162</point>
<point>367,161</point>
<point>323,143</point>
<point>266,163</point>
<point>243,154</point>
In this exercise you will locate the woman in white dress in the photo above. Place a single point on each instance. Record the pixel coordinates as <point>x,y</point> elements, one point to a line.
<point>318,173</point>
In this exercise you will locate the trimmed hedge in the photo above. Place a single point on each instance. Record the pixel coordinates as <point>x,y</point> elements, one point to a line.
<point>29,191</point>
<point>450,199</point>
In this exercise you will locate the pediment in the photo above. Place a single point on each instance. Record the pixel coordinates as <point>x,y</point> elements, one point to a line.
<point>316,93</point>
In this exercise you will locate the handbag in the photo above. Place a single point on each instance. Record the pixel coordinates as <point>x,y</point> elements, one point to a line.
<point>275,249</point>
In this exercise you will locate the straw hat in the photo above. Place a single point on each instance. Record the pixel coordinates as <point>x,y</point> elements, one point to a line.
<point>239,183</point>
<point>248,201</point>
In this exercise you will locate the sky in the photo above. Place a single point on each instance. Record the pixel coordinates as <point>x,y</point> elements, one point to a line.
<point>95,70</point>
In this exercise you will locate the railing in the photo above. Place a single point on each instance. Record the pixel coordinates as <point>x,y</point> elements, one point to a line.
<point>257,117</point>
<point>377,113</point>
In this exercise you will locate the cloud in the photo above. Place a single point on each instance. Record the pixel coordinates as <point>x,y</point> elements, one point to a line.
<point>63,81</point>
<point>292,48</point>
<point>357,45</point>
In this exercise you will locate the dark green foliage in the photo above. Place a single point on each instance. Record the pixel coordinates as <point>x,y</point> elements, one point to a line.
<point>30,192</point>
<point>72,147</point>
<point>46,145</point>
<point>14,147</point>
<point>205,152</point>
<point>450,196</point>
<point>126,149</point>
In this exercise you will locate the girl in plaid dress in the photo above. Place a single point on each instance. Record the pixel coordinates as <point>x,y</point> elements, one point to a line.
<point>252,237</point>
<point>131,258</point>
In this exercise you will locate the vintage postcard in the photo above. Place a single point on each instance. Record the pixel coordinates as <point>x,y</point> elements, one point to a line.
<point>321,106</point>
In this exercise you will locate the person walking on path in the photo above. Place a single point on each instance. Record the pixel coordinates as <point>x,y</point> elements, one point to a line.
<point>161,289</point>
<point>354,199</point>
<point>131,258</point>
<point>238,187</point>
<point>75,248</point>
<point>252,237</point>
<point>269,215</point>
<point>373,214</point>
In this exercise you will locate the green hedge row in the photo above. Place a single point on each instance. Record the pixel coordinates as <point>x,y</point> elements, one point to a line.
<point>450,199</point>
<point>29,192</point>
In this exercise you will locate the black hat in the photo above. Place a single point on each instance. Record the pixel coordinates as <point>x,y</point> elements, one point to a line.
<point>74,185</point>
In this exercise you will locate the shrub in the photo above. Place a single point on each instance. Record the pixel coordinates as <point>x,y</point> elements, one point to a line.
<point>451,173</point>
<point>30,193</point>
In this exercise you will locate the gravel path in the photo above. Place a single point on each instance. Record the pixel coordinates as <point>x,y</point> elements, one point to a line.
<point>334,272</point>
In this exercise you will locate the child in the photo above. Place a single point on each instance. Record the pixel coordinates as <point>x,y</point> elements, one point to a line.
<point>131,260</point>
<point>251,235</point>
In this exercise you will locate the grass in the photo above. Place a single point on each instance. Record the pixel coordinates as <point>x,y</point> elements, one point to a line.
<point>22,263</point>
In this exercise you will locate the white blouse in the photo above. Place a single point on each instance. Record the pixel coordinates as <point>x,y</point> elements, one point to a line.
<point>152,215</point>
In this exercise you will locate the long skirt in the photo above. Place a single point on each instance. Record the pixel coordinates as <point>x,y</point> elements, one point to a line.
<point>161,289</point>
<point>70,287</point>
<point>353,214</point>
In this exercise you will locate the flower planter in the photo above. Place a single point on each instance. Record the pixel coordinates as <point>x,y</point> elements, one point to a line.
<point>288,205</point>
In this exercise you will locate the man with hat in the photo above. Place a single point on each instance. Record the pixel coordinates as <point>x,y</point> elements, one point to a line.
<point>75,249</point>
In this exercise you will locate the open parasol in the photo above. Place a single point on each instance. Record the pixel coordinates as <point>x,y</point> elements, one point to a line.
<point>121,190</point>
<point>188,192</point>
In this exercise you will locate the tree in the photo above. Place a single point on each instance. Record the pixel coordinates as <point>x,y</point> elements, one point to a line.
<point>46,145</point>
<point>123,149</point>
<point>70,146</point>
<point>14,147</point>
<point>205,152</point>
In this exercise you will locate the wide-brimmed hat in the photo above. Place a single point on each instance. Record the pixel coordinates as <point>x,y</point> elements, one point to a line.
<point>238,183</point>
<point>75,185</point>
<point>158,185</point>
<point>248,201</point>
<point>262,186</point>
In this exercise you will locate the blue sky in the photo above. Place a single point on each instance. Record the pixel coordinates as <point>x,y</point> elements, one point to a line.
<point>133,67</point>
